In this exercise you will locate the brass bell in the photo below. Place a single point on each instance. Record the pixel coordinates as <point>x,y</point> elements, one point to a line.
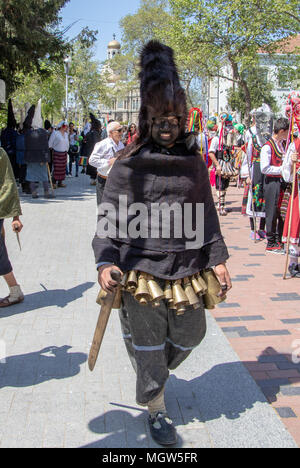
<point>201,283</point>
<point>198,288</point>
<point>211,297</point>
<point>179,296</point>
<point>155,290</point>
<point>131,284</point>
<point>117,300</point>
<point>132,280</point>
<point>180,310</point>
<point>171,305</point>
<point>168,291</point>
<point>142,294</point>
<point>190,293</point>
<point>101,296</point>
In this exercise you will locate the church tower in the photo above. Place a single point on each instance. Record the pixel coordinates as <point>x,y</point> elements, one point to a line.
<point>113,48</point>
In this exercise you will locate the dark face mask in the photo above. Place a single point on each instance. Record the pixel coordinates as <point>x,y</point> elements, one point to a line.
<point>165,130</point>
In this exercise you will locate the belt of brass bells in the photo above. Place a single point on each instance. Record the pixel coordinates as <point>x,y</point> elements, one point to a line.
<point>179,294</point>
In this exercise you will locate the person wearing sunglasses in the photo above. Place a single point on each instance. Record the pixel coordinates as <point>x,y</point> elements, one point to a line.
<point>103,155</point>
<point>160,171</point>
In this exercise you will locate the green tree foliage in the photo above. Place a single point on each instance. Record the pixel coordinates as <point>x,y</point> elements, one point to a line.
<point>49,87</point>
<point>144,25</point>
<point>260,91</point>
<point>88,87</point>
<point>213,33</point>
<point>29,32</point>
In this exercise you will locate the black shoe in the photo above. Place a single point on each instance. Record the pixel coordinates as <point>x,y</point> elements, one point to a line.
<point>162,430</point>
<point>294,270</point>
<point>274,248</point>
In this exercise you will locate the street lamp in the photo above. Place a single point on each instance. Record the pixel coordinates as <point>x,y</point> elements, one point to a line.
<point>67,63</point>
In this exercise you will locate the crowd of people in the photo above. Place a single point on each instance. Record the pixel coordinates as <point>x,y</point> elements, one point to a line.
<point>35,161</point>
<point>261,160</point>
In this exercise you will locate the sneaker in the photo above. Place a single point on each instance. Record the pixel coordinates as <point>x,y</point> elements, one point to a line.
<point>274,249</point>
<point>162,430</point>
<point>294,270</point>
<point>262,234</point>
<point>257,237</point>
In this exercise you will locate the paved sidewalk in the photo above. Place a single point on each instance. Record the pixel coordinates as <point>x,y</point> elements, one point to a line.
<point>48,396</point>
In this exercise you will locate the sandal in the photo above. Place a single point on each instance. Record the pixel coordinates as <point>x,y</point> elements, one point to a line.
<point>5,302</point>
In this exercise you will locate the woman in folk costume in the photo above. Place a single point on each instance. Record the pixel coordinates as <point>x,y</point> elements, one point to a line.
<point>253,202</point>
<point>132,134</point>
<point>160,324</point>
<point>195,127</point>
<point>59,143</point>
<point>221,150</point>
<point>239,153</point>
<point>9,208</point>
<point>37,154</point>
<point>293,157</point>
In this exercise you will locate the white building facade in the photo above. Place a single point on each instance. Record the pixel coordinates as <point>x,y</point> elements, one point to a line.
<point>125,109</point>
<point>216,89</point>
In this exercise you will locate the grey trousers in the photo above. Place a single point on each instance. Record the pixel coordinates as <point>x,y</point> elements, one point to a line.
<point>158,340</point>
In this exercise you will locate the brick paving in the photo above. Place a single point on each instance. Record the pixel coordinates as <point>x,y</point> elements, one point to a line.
<point>239,388</point>
<point>262,317</point>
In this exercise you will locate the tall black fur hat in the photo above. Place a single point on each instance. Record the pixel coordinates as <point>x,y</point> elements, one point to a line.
<point>161,92</point>
<point>11,121</point>
<point>29,118</point>
<point>47,125</point>
<point>95,122</point>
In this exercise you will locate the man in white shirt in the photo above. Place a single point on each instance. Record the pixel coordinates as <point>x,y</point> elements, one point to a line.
<point>271,166</point>
<point>103,155</point>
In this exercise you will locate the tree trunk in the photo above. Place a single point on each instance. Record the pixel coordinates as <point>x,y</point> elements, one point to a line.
<point>248,102</point>
<point>243,84</point>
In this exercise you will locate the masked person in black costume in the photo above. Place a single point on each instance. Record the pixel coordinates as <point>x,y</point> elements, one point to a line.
<point>92,137</point>
<point>161,323</point>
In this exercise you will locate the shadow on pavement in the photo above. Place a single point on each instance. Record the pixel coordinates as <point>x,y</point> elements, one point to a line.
<point>225,390</point>
<point>39,300</point>
<point>50,363</point>
<point>116,438</point>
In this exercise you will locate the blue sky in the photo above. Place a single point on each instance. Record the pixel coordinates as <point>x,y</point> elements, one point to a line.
<point>103,15</point>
